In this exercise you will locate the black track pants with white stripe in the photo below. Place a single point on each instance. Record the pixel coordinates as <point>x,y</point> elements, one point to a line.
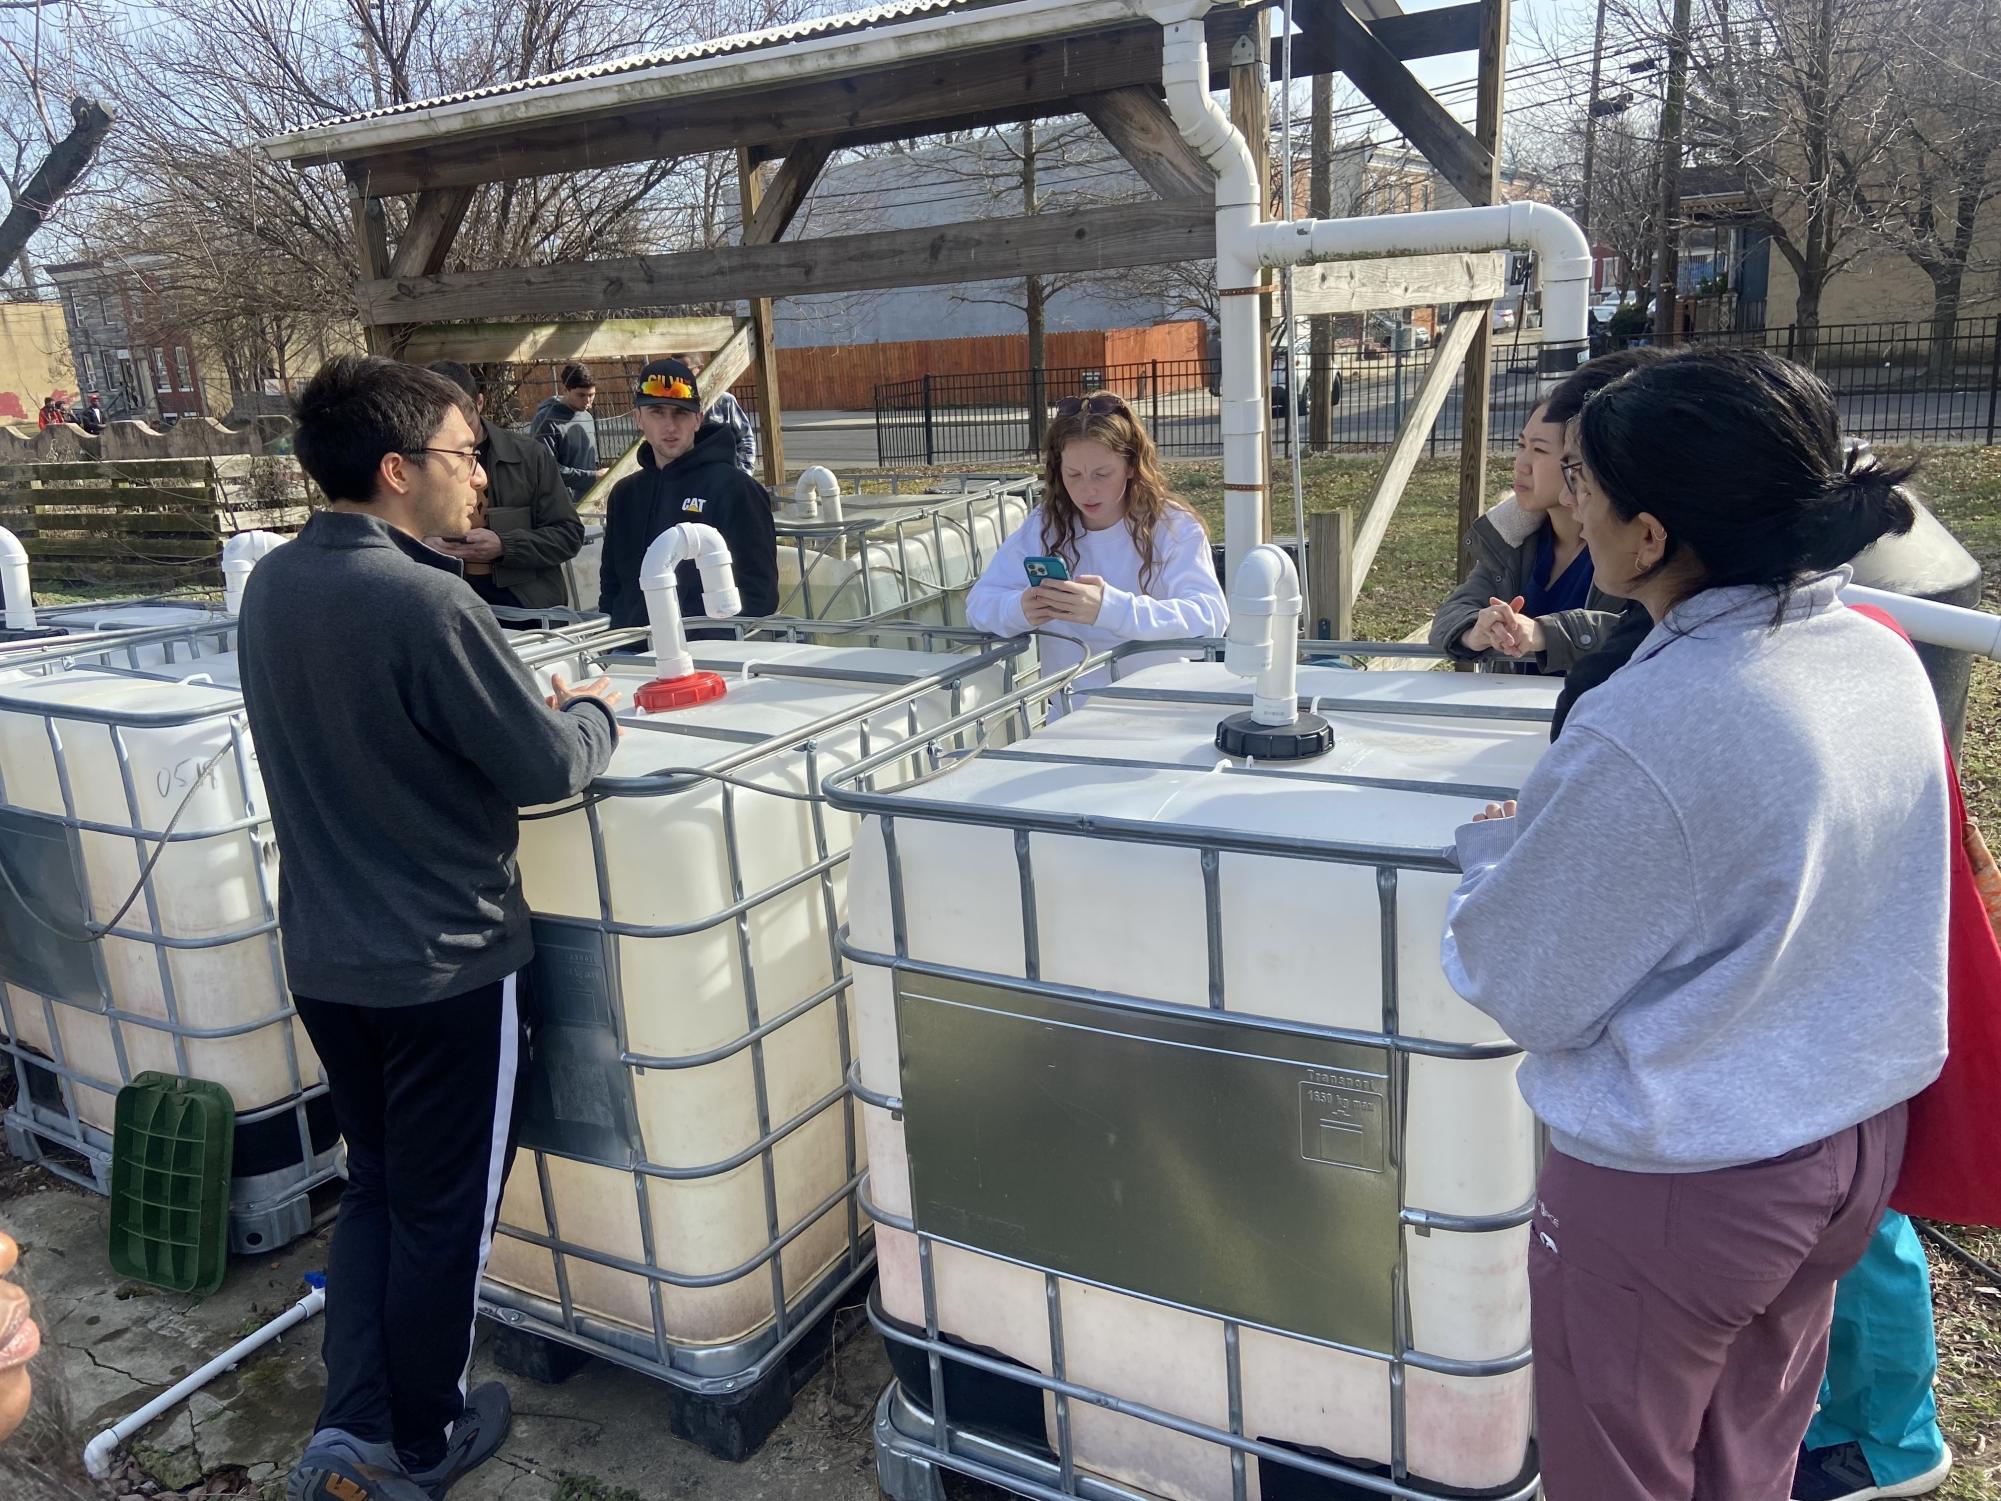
<point>426,1097</point>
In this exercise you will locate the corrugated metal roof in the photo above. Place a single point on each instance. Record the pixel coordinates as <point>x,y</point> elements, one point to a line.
<point>749,41</point>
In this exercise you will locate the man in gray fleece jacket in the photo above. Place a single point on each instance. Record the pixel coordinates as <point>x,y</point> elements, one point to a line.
<point>398,735</point>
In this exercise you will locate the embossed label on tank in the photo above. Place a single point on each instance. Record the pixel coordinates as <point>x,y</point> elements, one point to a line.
<point>1341,1120</point>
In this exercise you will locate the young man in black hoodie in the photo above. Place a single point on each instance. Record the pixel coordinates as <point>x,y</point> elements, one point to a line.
<point>687,472</point>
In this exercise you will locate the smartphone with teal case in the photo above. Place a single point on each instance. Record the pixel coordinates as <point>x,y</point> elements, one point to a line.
<point>1046,570</point>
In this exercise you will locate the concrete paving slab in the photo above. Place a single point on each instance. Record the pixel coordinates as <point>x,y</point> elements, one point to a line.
<point>109,1346</point>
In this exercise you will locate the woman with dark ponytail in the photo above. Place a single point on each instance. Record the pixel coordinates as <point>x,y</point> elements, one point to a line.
<point>1746,825</point>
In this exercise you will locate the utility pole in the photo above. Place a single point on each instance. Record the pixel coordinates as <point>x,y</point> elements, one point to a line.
<point>1666,271</point>
<point>1320,192</point>
<point>1591,123</point>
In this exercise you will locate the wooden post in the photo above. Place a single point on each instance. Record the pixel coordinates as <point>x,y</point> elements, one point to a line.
<point>1330,554</point>
<point>371,246</point>
<point>1250,112</point>
<point>1480,354</point>
<point>750,183</point>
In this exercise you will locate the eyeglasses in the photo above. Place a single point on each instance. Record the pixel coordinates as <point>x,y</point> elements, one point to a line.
<point>457,453</point>
<point>1097,406</point>
<point>1571,469</point>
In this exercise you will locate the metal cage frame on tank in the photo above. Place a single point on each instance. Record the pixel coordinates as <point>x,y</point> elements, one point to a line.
<point>889,533</point>
<point>708,1372</point>
<point>917,1437</point>
<point>267,1208</point>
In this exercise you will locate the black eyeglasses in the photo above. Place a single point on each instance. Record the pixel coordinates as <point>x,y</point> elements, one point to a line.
<point>457,453</point>
<point>1103,405</point>
<point>1571,469</point>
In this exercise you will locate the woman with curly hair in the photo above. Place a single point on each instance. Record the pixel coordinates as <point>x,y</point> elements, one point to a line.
<point>1136,556</point>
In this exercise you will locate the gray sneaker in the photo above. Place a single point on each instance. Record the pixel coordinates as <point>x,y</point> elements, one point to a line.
<point>476,1438</point>
<point>337,1466</point>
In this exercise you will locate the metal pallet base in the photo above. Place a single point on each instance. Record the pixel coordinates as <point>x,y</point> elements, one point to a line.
<point>729,1416</point>
<point>911,1462</point>
<point>265,1212</point>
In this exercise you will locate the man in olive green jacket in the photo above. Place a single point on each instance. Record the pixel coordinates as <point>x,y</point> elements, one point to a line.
<point>516,548</point>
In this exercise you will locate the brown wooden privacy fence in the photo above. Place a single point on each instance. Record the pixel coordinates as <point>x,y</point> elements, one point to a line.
<point>145,524</point>
<point>843,377</point>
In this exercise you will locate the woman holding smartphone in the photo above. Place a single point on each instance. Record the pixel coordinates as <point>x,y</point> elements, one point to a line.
<point>1111,556</point>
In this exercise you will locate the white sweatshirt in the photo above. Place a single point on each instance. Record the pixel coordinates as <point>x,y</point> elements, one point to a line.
<point>1184,601</point>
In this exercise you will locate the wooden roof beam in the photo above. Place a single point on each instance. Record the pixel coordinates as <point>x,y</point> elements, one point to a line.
<point>1138,124</point>
<point>1101,239</point>
<point>1409,105</point>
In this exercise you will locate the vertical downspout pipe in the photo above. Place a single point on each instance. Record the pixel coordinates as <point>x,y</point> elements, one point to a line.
<point>1264,630</point>
<point>20,602</point>
<point>1239,205</point>
<point>1263,645</point>
<point>240,554</point>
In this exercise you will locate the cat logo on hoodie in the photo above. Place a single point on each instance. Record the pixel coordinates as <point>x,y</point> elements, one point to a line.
<point>693,505</point>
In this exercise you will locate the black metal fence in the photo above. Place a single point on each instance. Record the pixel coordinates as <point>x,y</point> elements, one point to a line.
<point>1892,381</point>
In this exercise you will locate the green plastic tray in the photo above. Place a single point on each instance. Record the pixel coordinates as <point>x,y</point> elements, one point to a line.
<point>171,1143</point>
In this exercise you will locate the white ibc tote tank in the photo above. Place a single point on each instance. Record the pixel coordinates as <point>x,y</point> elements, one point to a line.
<point>850,557</point>
<point>139,875</point>
<point>1169,1096</point>
<point>688,1202</point>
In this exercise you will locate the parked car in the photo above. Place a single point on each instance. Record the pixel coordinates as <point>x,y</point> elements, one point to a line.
<point>1280,386</point>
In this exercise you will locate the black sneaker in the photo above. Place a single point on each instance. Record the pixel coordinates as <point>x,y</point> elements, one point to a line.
<point>337,1466</point>
<point>476,1438</point>
<point>1842,1473</point>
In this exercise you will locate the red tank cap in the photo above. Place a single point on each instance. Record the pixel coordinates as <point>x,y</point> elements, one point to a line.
<point>663,694</point>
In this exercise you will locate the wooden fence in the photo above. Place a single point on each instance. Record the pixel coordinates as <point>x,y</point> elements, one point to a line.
<point>145,524</point>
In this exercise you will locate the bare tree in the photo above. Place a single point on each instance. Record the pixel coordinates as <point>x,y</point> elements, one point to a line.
<point>1790,95</point>
<point>259,257</point>
<point>1942,164</point>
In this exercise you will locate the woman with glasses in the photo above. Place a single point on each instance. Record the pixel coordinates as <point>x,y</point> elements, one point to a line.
<point>1531,603</point>
<point>1745,826</point>
<point>1110,556</point>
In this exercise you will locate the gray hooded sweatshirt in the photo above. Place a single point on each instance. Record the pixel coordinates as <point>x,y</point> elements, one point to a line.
<point>1748,830</point>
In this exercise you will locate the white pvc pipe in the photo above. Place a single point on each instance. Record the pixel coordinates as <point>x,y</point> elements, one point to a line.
<point>240,554</point>
<point>1204,125</point>
<point>817,496</point>
<point>1263,640</point>
<point>1245,245</point>
<point>97,1453</point>
<point>1562,253</point>
<point>1951,626</point>
<point>673,547</point>
<point>20,602</point>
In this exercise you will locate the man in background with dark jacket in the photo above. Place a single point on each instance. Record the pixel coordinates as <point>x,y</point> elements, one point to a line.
<point>398,737</point>
<point>564,425</point>
<point>687,472</point>
<point>526,527</point>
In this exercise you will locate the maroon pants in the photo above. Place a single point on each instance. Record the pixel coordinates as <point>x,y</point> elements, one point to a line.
<point>1680,1320</point>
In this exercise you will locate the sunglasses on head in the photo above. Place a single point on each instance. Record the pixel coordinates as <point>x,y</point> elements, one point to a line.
<point>1097,406</point>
